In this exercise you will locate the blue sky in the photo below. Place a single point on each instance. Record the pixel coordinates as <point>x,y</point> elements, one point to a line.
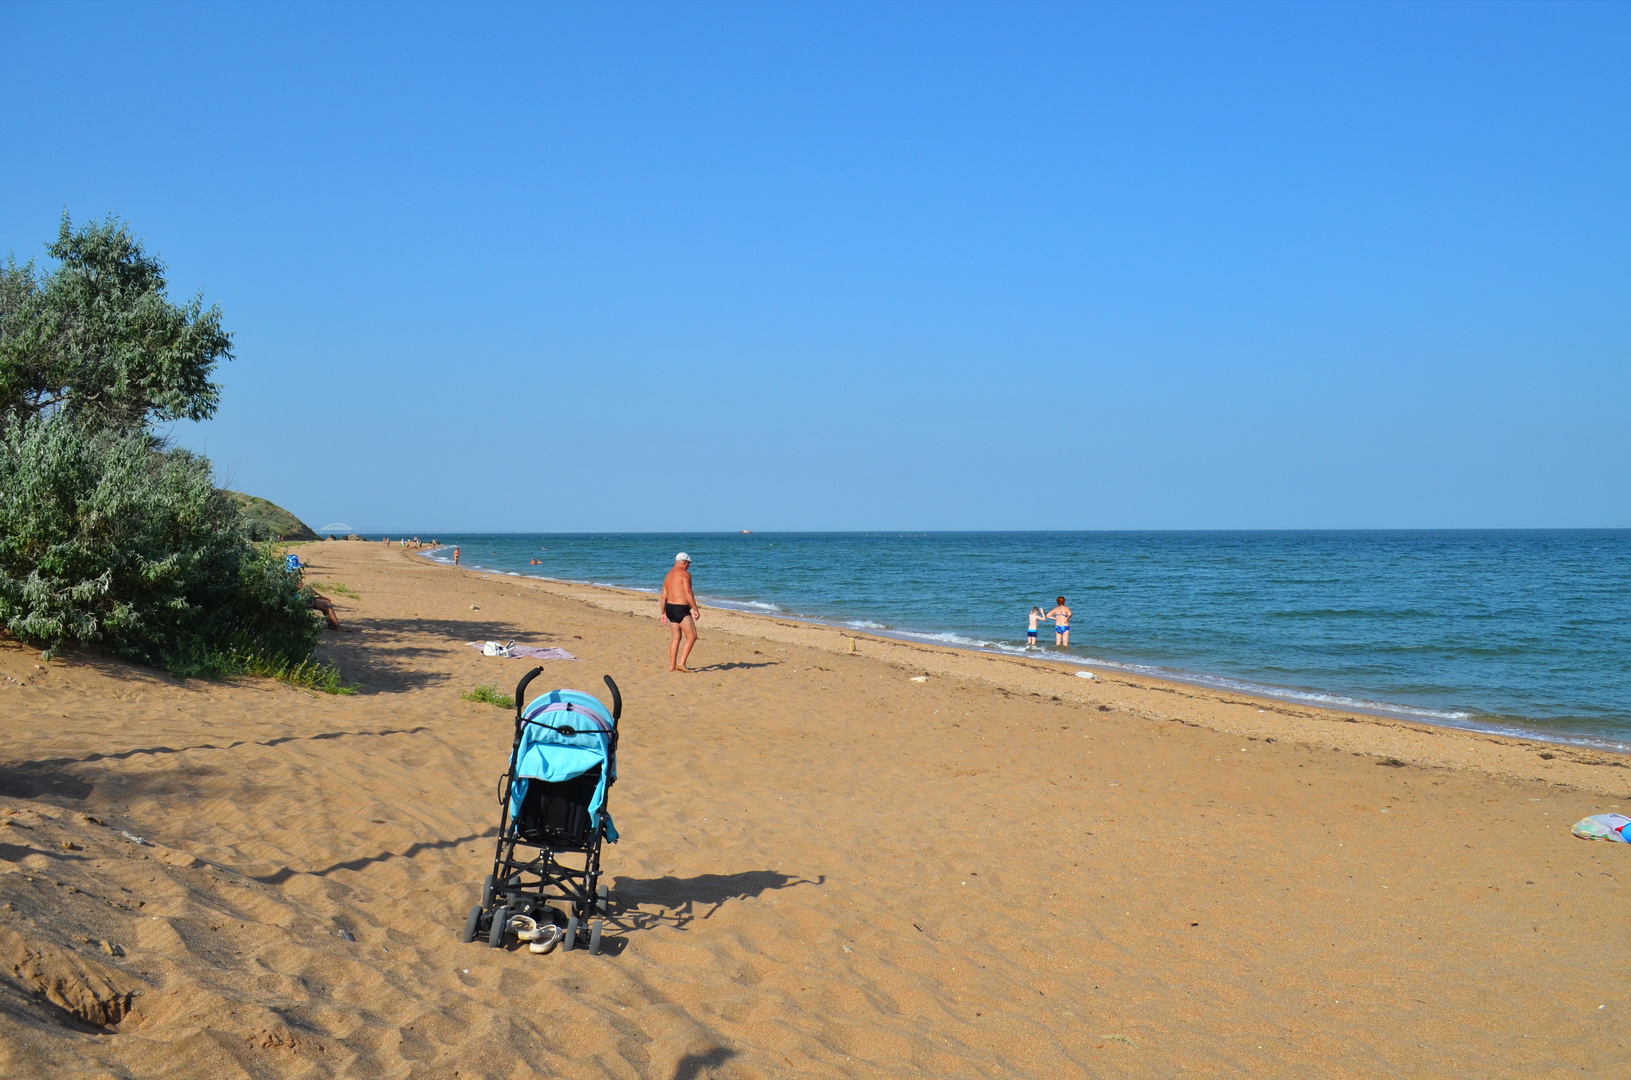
<point>834,266</point>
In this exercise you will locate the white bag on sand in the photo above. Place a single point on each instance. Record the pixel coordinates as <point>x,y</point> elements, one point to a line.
<point>1602,827</point>
<point>495,648</point>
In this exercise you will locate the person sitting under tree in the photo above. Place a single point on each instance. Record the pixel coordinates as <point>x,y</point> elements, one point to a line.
<point>321,603</point>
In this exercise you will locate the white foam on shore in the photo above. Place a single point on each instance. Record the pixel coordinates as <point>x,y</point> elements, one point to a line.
<point>750,606</point>
<point>1453,718</point>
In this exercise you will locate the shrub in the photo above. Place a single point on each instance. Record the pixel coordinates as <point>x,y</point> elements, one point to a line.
<point>109,539</point>
<point>489,694</point>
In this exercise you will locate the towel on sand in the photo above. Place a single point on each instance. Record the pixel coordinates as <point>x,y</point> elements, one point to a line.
<point>1603,827</point>
<point>531,652</point>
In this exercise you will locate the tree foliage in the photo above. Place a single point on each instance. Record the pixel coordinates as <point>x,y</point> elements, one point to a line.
<point>107,536</point>
<point>98,340</point>
<point>106,539</point>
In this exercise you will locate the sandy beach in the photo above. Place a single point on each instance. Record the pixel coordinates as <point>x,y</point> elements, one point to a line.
<point>842,856</point>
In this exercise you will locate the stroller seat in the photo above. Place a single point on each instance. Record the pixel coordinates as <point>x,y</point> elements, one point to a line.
<point>556,815</point>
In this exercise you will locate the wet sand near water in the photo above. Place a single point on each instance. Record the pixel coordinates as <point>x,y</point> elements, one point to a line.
<point>828,868</point>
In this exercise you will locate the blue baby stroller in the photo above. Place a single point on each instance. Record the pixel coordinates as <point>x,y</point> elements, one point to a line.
<point>553,818</point>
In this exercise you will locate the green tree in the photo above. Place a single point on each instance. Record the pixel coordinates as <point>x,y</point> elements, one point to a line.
<point>98,340</point>
<point>108,537</point>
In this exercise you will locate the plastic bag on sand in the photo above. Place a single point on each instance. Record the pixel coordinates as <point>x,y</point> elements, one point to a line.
<point>1602,827</point>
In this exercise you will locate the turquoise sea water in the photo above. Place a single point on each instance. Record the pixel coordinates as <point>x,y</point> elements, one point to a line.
<point>1524,630</point>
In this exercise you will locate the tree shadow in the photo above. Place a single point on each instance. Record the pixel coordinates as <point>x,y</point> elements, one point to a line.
<point>30,780</point>
<point>676,900</point>
<point>381,668</point>
<point>125,755</point>
<point>692,1066</point>
<point>112,667</point>
<point>19,852</point>
<point>283,874</point>
<point>48,776</point>
<point>734,665</point>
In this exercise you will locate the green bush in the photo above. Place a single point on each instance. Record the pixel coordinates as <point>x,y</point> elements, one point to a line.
<point>108,539</point>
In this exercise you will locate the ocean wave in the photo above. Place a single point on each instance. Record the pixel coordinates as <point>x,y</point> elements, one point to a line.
<point>1279,693</point>
<point>1274,630</point>
<point>948,639</point>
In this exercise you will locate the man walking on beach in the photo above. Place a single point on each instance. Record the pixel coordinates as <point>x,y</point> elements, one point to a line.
<point>680,612</point>
<point>1061,623</point>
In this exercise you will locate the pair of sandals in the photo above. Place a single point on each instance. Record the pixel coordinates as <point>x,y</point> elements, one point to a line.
<point>539,939</point>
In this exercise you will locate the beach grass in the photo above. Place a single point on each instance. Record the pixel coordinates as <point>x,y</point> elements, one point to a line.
<point>337,589</point>
<point>307,674</point>
<point>490,694</point>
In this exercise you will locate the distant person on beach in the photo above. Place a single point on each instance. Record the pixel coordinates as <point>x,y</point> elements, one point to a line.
<point>1061,623</point>
<point>680,612</point>
<point>455,556</point>
<point>1035,617</point>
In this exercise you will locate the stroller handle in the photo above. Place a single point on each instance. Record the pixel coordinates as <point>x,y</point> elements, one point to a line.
<point>521,694</point>
<point>521,691</point>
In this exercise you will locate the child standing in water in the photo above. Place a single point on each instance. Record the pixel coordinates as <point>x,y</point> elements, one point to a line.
<point>1061,624</point>
<point>1030,629</point>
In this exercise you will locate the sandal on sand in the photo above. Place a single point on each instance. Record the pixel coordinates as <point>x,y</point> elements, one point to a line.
<point>524,927</point>
<point>546,938</point>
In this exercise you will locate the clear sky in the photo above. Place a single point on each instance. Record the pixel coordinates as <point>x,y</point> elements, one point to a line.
<point>844,266</point>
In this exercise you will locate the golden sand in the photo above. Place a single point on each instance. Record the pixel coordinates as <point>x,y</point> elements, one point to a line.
<point>828,868</point>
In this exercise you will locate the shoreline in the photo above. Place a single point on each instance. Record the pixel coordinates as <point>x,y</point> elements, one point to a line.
<point>841,855</point>
<point>1341,706</point>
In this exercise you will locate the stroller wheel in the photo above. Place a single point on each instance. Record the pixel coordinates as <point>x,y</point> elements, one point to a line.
<point>495,936</point>
<point>570,941</point>
<point>470,925</point>
<point>594,936</point>
<point>605,904</point>
<point>487,893</point>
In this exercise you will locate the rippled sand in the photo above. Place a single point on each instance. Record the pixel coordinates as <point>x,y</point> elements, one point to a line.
<point>828,869</point>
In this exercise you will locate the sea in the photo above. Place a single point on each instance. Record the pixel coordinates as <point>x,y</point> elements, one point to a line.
<point>1523,632</point>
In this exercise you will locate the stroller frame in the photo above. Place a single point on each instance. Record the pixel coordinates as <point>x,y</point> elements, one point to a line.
<point>529,882</point>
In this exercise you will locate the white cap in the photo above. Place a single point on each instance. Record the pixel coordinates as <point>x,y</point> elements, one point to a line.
<point>682,557</point>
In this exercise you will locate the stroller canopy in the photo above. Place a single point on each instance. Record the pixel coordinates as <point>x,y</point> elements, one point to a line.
<point>549,754</point>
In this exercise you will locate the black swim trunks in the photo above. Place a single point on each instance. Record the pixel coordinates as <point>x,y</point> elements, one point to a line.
<point>677,613</point>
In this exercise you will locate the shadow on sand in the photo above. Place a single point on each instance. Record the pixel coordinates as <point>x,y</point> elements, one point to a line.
<point>32,779</point>
<point>388,668</point>
<point>676,900</point>
<point>284,874</point>
<point>698,1066</point>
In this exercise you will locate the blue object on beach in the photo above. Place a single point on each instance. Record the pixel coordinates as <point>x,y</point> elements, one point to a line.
<point>291,563</point>
<point>553,796</point>
<point>547,753</point>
